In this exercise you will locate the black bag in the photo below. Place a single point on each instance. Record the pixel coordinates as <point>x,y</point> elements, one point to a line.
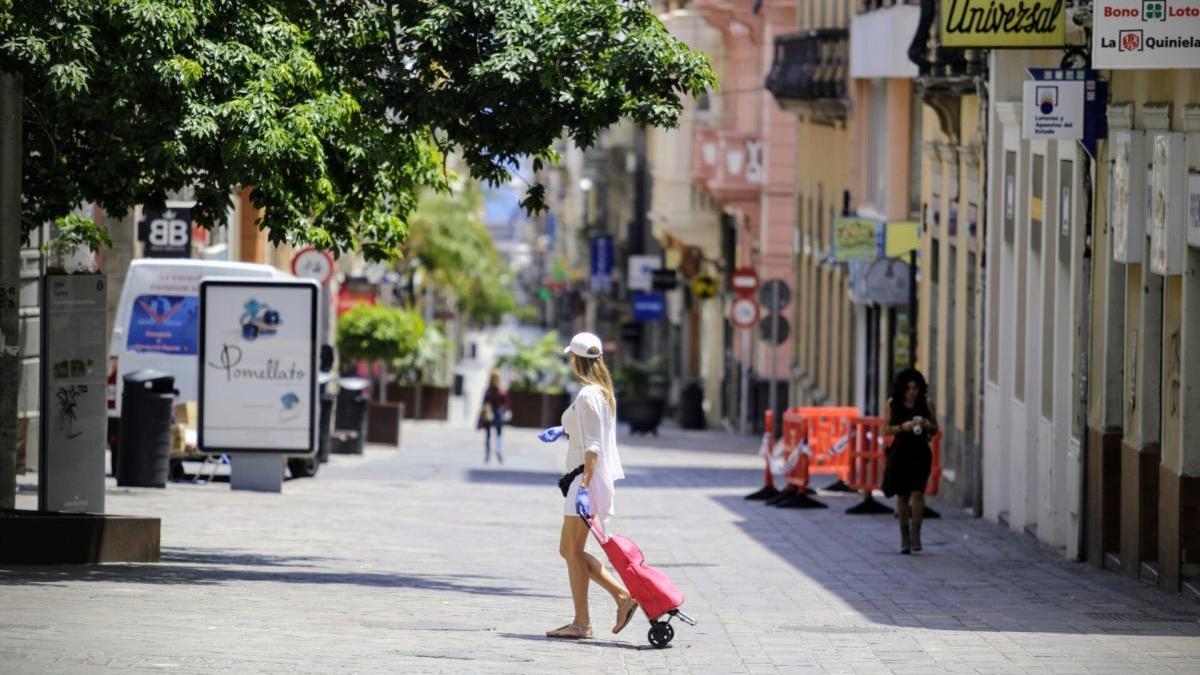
<point>564,483</point>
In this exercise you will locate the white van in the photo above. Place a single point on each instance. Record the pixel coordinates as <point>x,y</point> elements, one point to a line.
<point>157,324</point>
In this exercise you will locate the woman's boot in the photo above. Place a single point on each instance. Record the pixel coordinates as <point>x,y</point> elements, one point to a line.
<point>916,535</point>
<point>905,542</point>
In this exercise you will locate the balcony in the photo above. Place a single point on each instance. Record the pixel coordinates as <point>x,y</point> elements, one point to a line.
<point>809,72</point>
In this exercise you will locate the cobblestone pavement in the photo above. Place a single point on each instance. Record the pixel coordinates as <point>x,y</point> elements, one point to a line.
<point>422,560</point>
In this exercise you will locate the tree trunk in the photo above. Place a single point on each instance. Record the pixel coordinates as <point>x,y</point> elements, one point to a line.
<point>10,281</point>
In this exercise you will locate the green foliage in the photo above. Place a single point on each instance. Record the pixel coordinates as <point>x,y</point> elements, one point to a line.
<point>538,366</point>
<point>452,244</point>
<point>429,362</point>
<point>642,380</point>
<point>338,113</point>
<point>73,231</point>
<point>379,333</point>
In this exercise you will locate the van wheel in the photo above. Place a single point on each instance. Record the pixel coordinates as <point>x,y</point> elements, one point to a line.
<point>176,471</point>
<point>303,467</point>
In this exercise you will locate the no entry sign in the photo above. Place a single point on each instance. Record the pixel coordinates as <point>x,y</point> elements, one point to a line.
<point>745,281</point>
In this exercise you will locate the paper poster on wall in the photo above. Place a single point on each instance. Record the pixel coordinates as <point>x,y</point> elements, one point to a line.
<point>1193,200</point>
<point>258,366</point>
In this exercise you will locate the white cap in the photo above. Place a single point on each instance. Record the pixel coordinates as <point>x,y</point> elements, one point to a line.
<point>587,345</point>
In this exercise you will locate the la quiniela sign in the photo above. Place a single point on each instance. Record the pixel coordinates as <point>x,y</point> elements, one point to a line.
<point>1146,34</point>
<point>1003,23</point>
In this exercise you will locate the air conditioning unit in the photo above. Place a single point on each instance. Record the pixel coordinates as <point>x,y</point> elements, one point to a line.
<point>1168,203</point>
<point>1128,195</point>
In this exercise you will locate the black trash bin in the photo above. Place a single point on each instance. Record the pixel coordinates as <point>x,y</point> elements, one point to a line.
<point>147,405</point>
<point>691,405</point>
<point>350,420</point>
<point>325,420</point>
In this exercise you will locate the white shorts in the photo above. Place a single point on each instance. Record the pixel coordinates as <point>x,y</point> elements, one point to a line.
<point>569,502</point>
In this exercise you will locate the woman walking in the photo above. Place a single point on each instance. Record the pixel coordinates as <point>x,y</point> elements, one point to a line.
<point>911,422</point>
<point>493,416</point>
<point>593,463</point>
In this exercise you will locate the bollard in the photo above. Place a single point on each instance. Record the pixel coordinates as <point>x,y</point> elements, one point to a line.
<point>796,494</point>
<point>766,450</point>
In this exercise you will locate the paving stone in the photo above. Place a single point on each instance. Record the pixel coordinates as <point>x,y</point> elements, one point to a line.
<point>421,560</point>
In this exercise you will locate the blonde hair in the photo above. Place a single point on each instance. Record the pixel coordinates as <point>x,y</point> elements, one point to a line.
<point>593,371</point>
<point>494,379</point>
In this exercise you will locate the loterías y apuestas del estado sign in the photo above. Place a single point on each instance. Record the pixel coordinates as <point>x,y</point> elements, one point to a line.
<point>1134,34</point>
<point>1003,23</point>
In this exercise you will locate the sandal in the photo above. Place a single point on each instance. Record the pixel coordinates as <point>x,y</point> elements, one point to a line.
<point>625,614</point>
<point>571,632</point>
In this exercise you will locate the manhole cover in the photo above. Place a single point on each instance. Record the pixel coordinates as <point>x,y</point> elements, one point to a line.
<point>1133,617</point>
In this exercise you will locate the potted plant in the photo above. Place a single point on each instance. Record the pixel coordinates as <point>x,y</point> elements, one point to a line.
<point>422,375</point>
<point>380,334</point>
<point>73,248</point>
<point>642,394</point>
<point>537,394</point>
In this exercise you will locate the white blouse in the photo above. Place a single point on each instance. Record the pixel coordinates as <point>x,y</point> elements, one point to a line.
<point>592,427</point>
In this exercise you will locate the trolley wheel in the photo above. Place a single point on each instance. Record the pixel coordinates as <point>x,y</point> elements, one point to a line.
<point>661,634</point>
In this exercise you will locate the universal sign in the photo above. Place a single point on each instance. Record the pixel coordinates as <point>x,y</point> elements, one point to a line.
<point>1146,34</point>
<point>1003,23</point>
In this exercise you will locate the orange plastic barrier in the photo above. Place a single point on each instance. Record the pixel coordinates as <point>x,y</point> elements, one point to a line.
<point>826,429</point>
<point>867,456</point>
<point>767,451</point>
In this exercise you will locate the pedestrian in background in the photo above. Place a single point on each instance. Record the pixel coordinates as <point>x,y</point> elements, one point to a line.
<point>493,416</point>
<point>593,463</point>
<point>912,423</point>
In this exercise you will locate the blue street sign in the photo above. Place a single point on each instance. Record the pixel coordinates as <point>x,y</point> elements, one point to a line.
<point>602,263</point>
<point>649,306</point>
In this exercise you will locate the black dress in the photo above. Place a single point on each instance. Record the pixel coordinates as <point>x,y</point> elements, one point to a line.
<point>909,458</point>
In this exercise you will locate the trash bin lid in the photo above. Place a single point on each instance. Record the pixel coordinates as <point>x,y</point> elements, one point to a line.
<point>353,384</point>
<point>150,379</point>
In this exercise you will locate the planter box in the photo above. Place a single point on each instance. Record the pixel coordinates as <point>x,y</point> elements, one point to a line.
<point>424,402</point>
<point>383,423</point>
<point>537,410</point>
<point>49,538</point>
<point>643,416</point>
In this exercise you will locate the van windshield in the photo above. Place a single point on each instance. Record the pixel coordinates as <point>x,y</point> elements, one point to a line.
<point>166,324</point>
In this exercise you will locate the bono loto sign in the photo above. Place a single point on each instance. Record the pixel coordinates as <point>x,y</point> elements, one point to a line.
<point>1146,34</point>
<point>258,366</point>
<point>1003,23</point>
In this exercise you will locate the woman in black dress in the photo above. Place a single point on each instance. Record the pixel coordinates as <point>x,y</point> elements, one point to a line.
<point>911,422</point>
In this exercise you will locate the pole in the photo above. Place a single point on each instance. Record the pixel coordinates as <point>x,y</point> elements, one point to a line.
<point>744,404</point>
<point>10,279</point>
<point>773,395</point>
<point>912,309</point>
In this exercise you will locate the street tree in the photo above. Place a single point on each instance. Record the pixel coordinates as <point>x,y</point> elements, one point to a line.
<point>337,113</point>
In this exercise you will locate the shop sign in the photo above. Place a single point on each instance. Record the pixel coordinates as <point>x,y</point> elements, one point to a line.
<point>1003,23</point>
<point>649,306</point>
<point>1146,34</point>
<point>641,272</point>
<point>856,239</point>
<point>258,366</point>
<point>1064,104</point>
<point>167,233</point>
<point>902,237</point>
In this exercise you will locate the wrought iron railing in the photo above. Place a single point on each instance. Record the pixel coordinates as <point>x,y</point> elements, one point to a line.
<point>810,65</point>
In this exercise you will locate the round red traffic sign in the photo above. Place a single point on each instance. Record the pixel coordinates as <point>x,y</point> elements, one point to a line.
<point>744,312</point>
<point>745,281</point>
<point>309,263</point>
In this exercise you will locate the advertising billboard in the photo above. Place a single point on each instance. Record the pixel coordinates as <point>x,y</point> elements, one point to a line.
<point>1003,23</point>
<point>258,366</point>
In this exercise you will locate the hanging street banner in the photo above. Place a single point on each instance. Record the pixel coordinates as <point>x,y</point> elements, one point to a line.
<point>1003,23</point>
<point>258,366</point>
<point>1146,34</point>
<point>602,263</point>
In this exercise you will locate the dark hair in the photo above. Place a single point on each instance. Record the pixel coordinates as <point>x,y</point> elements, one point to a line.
<point>900,386</point>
